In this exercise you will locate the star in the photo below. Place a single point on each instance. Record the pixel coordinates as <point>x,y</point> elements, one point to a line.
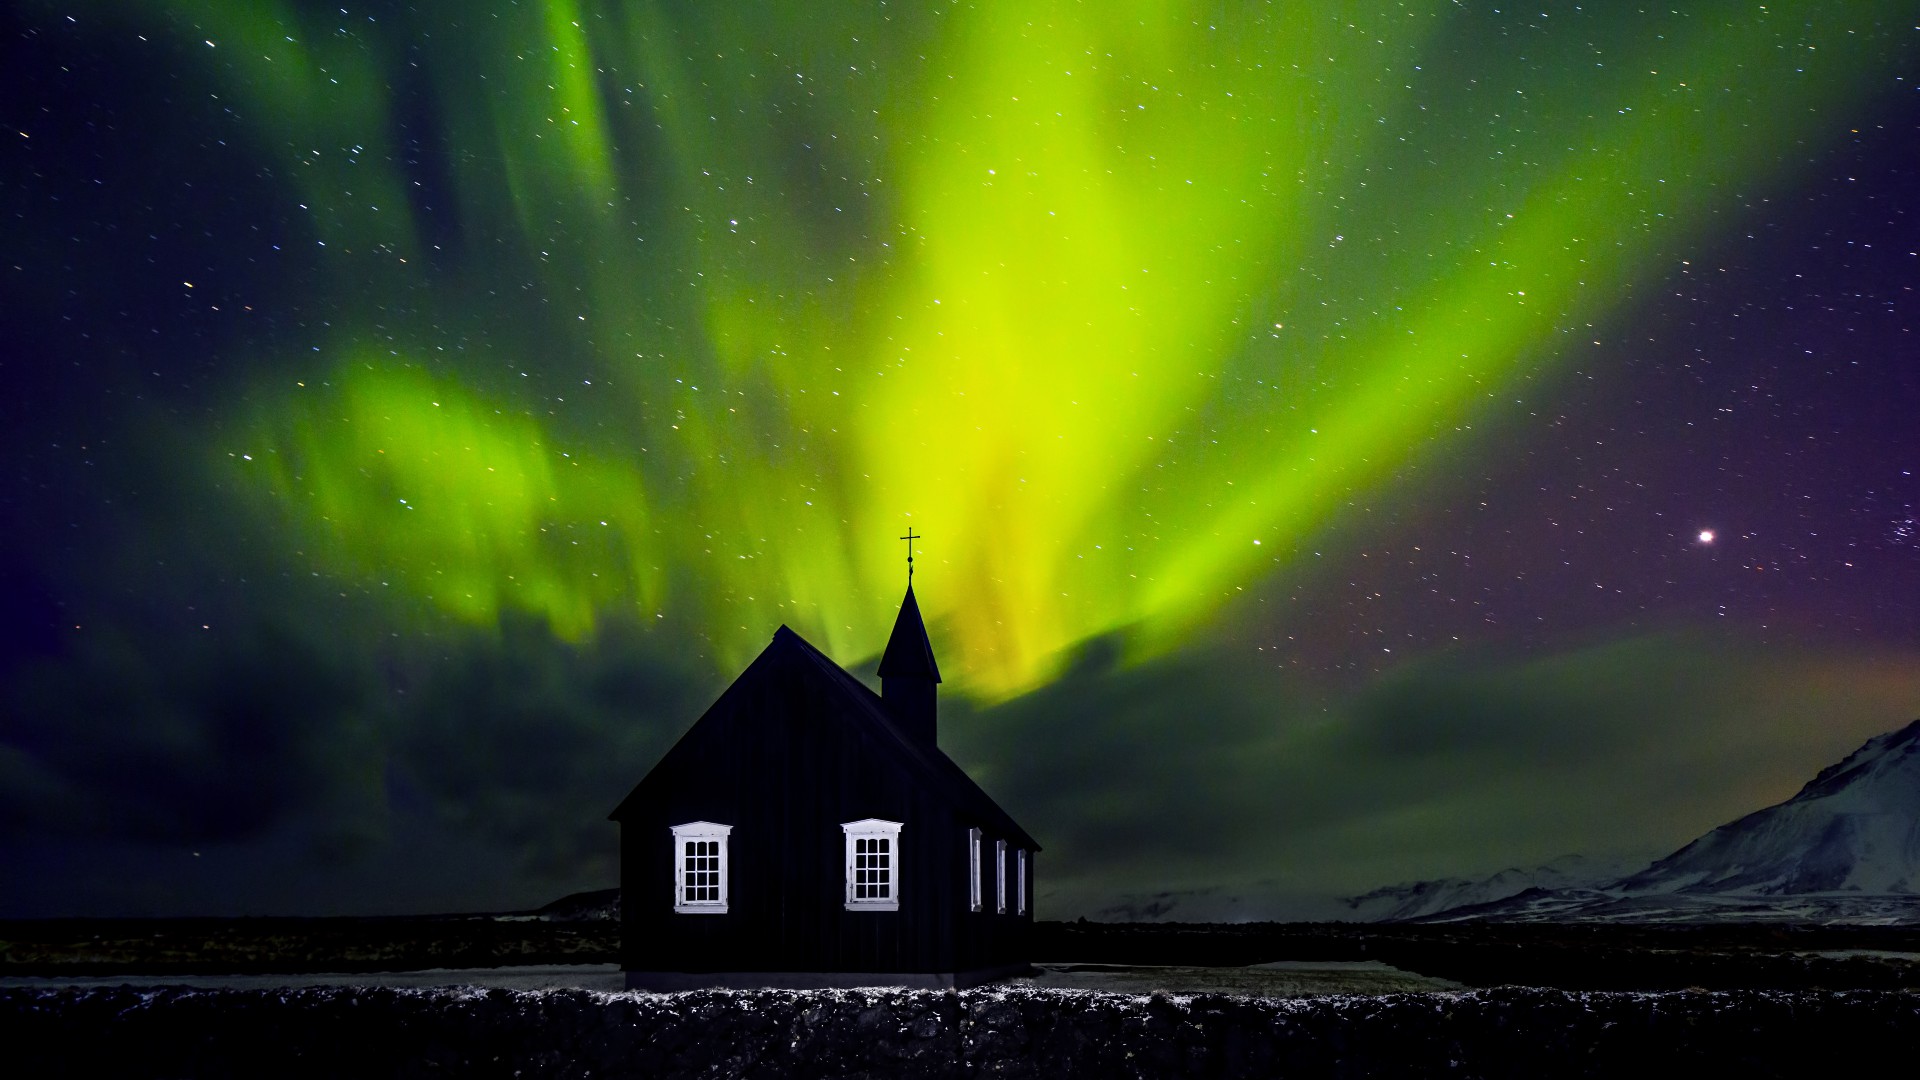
<point>1706,536</point>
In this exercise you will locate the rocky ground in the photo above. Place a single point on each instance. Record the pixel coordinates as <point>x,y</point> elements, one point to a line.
<point>1003,1032</point>
<point>1755,1000</point>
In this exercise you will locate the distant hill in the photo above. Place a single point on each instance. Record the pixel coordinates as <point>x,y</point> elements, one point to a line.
<point>1846,848</point>
<point>598,905</point>
<point>1419,899</point>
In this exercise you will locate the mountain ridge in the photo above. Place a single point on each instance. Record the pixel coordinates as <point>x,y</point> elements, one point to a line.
<point>1845,847</point>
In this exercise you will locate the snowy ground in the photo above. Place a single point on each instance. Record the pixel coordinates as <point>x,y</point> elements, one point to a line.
<point>603,977</point>
<point>1259,980</point>
<point>1289,979</point>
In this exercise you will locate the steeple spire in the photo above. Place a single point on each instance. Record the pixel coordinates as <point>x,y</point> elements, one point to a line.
<point>909,654</point>
<point>908,673</point>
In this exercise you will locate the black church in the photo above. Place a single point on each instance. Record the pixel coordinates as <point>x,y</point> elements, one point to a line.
<point>809,832</point>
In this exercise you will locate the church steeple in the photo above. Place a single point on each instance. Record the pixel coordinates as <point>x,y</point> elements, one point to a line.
<point>909,654</point>
<point>908,674</point>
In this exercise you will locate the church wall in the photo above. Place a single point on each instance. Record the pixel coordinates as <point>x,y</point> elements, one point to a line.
<point>776,760</point>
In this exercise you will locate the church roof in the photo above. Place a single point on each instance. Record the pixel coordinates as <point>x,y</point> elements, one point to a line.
<point>909,654</point>
<point>809,679</point>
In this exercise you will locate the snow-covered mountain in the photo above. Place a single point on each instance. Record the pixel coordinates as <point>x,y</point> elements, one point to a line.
<point>1846,848</point>
<point>1420,899</point>
<point>1855,828</point>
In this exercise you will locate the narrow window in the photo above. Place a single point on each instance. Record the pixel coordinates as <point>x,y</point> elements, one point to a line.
<point>700,868</point>
<point>1020,882</point>
<point>873,864</point>
<point>1000,876</point>
<point>973,869</point>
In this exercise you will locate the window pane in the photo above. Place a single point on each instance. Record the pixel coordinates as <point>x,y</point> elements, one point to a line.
<point>699,877</point>
<point>870,863</point>
<point>973,869</point>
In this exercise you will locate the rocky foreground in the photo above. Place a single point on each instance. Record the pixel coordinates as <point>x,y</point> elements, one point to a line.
<point>991,1032</point>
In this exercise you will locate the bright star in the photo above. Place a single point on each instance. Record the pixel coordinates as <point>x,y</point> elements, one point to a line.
<point>1706,536</point>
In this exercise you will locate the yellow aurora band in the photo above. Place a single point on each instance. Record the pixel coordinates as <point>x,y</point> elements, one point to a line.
<point>689,310</point>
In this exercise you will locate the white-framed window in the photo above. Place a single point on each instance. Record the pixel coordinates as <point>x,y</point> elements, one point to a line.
<point>873,864</point>
<point>1000,876</point>
<point>1020,882</point>
<point>700,868</point>
<point>974,892</point>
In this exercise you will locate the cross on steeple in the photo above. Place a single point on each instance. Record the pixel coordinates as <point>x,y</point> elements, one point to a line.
<point>910,538</point>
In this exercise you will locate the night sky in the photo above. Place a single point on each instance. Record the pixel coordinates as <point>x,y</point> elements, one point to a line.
<point>1354,442</point>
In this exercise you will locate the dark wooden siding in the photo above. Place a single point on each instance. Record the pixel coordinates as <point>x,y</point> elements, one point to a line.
<point>785,771</point>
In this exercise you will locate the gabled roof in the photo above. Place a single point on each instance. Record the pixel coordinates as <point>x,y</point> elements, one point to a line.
<point>860,708</point>
<point>909,654</point>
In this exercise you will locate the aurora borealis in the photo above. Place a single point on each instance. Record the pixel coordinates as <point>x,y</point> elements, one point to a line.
<point>422,409</point>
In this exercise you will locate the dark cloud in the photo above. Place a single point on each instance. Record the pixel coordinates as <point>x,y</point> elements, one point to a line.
<point>1207,783</point>
<point>529,742</point>
<point>324,752</point>
<point>401,773</point>
<point>182,741</point>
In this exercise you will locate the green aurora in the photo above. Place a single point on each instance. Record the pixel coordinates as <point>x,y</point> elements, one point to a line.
<point>1120,304</point>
